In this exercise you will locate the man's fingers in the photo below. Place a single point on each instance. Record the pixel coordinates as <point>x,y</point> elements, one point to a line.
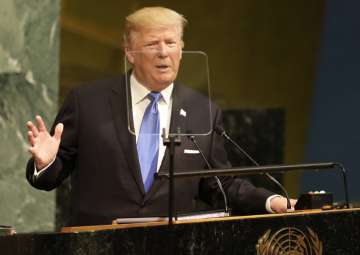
<point>58,131</point>
<point>41,124</point>
<point>278,204</point>
<point>293,202</point>
<point>32,150</point>
<point>31,138</point>
<point>32,128</point>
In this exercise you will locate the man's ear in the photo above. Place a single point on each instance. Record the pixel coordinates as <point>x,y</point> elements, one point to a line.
<point>129,55</point>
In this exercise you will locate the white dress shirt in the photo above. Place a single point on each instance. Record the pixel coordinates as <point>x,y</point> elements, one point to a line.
<point>140,101</point>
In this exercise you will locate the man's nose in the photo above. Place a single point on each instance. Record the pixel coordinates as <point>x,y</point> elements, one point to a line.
<point>163,50</point>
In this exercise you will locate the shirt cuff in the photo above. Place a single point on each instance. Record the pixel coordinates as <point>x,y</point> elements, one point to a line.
<point>38,172</point>
<point>268,204</point>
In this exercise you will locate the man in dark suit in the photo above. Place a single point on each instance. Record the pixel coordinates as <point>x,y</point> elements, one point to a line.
<point>112,168</point>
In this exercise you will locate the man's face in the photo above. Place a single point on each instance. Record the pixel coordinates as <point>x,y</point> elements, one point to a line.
<point>155,55</point>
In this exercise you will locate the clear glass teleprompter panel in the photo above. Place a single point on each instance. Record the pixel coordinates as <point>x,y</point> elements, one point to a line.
<point>190,103</point>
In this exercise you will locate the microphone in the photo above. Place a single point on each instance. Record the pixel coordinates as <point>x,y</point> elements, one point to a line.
<point>220,131</point>
<point>192,138</point>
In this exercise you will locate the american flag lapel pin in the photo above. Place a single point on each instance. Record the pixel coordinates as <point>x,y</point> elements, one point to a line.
<point>182,112</point>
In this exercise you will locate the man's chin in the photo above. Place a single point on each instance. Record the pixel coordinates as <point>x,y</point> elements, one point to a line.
<point>164,81</point>
<point>161,84</point>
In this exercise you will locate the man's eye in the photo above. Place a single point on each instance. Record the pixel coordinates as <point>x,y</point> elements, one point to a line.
<point>150,45</point>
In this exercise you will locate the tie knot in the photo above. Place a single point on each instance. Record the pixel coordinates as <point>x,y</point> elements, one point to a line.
<point>154,96</point>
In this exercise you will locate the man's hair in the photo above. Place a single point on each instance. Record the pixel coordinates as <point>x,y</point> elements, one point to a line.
<point>152,17</point>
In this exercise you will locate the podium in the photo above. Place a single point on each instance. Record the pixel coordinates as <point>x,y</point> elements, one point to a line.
<point>303,232</point>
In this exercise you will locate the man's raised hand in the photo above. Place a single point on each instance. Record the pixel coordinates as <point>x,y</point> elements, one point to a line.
<point>43,146</point>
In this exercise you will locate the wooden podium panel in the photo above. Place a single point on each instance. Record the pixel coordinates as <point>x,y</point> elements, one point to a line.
<point>306,232</point>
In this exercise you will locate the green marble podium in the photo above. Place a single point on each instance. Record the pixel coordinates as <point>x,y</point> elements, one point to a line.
<point>305,232</point>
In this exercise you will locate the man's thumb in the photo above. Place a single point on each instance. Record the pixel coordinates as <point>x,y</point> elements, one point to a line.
<point>58,131</point>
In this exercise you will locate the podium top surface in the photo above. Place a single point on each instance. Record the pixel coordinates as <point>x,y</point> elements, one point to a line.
<point>76,229</point>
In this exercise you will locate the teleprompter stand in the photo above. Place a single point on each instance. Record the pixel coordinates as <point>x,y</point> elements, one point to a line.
<point>171,141</point>
<point>247,171</point>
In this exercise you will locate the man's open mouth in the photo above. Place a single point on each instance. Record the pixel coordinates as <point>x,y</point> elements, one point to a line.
<point>162,67</point>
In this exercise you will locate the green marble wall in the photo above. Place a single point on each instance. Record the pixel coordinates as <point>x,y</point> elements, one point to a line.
<point>29,64</point>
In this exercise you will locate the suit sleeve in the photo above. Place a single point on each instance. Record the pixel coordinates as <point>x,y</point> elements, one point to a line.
<point>243,197</point>
<point>66,156</point>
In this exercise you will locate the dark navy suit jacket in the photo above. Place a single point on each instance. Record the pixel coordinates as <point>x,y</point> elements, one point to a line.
<point>99,153</point>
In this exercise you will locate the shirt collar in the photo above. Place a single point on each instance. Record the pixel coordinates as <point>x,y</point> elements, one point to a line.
<point>139,92</point>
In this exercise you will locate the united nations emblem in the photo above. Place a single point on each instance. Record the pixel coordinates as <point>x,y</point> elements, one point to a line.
<point>289,241</point>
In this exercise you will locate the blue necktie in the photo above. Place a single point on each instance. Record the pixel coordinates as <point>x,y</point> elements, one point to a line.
<point>148,141</point>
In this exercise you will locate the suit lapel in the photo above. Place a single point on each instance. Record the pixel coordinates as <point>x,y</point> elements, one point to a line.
<point>178,122</point>
<point>120,101</point>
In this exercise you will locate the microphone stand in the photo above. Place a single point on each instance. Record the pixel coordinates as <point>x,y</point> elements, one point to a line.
<point>264,170</point>
<point>192,138</point>
<point>222,132</point>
